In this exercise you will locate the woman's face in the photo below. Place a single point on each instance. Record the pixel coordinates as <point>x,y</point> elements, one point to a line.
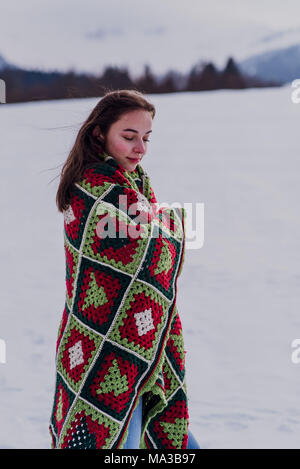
<point>126,140</point>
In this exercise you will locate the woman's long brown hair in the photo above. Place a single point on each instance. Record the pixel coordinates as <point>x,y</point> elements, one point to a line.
<point>87,147</point>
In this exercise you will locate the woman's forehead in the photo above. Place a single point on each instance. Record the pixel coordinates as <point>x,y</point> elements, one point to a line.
<point>138,118</point>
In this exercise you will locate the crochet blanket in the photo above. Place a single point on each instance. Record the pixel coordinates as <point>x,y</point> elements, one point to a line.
<point>120,336</point>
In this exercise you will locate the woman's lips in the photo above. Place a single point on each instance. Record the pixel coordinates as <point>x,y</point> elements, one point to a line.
<point>134,160</point>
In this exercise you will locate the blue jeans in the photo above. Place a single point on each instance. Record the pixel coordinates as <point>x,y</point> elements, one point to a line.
<point>135,430</point>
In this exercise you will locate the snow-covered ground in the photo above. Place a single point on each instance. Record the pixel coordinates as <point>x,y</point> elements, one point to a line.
<point>238,296</point>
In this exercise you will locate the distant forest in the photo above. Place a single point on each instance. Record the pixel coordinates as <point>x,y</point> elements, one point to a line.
<point>35,85</point>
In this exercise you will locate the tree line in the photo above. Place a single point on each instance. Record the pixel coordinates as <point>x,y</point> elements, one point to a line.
<point>34,85</point>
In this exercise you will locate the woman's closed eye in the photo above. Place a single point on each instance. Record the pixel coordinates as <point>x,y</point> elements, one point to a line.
<point>126,138</point>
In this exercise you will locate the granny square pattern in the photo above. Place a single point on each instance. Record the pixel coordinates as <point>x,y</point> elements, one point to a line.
<point>120,337</point>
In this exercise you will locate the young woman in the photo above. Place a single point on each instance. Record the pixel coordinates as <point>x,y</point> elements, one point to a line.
<point>120,358</point>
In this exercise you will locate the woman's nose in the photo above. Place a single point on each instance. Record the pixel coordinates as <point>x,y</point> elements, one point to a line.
<point>140,148</point>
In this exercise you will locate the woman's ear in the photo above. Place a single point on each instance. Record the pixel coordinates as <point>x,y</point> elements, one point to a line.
<point>96,133</point>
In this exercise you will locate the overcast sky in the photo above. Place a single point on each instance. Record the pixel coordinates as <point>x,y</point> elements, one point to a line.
<point>91,33</point>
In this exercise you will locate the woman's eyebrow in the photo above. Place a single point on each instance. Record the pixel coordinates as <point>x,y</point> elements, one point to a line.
<point>132,130</point>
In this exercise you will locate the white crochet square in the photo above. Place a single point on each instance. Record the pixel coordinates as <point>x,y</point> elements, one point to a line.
<point>76,355</point>
<point>142,204</point>
<point>144,321</point>
<point>69,215</point>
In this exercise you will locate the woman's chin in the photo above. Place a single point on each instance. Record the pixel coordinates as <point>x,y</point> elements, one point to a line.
<point>130,165</point>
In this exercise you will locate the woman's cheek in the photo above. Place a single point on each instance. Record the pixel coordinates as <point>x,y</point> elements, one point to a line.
<point>123,147</point>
